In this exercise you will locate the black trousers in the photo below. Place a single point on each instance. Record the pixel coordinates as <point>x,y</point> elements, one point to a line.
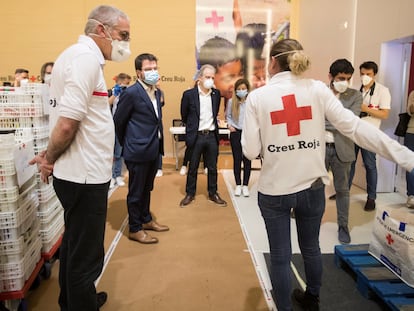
<point>140,184</point>
<point>82,249</point>
<point>206,145</point>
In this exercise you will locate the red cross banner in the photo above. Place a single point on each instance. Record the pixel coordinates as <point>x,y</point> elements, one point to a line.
<point>214,18</point>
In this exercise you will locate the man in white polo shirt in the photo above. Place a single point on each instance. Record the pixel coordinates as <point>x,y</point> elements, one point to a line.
<point>376,105</point>
<point>80,150</point>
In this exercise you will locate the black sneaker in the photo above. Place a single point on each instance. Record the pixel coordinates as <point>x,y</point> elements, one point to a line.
<point>101,298</point>
<point>307,301</point>
<point>370,205</point>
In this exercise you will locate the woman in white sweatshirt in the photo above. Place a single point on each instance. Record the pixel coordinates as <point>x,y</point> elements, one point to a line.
<point>285,124</point>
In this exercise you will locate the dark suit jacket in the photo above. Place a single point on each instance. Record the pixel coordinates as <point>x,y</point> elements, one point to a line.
<point>137,125</point>
<point>190,113</point>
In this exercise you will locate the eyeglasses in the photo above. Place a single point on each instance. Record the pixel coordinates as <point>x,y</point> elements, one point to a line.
<point>124,35</point>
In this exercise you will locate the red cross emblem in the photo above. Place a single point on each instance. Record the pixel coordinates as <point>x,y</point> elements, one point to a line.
<point>389,239</point>
<point>214,19</point>
<point>291,115</point>
<point>33,78</point>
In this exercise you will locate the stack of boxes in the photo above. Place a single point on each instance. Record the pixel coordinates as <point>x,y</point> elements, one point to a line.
<point>20,244</point>
<point>31,216</point>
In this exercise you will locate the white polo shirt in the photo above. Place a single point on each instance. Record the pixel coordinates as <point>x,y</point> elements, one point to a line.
<point>79,92</point>
<point>380,99</point>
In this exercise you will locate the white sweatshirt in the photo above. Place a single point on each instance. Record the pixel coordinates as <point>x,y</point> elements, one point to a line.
<point>285,124</point>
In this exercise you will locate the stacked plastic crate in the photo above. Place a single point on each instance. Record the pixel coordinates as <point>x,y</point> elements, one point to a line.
<point>22,111</point>
<point>20,243</point>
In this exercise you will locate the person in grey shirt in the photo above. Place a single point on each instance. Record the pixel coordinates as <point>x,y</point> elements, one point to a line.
<point>340,150</point>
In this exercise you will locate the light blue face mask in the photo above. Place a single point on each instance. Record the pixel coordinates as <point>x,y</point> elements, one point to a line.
<point>151,77</point>
<point>241,93</point>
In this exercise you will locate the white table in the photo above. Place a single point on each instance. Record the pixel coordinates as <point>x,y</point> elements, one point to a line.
<point>180,130</point>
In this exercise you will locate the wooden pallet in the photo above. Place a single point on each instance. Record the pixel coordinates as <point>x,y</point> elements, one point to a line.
<point>373,278</point>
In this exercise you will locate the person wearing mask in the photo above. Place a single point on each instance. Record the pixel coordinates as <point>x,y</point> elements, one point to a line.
<point>79,152</point>
<point>21,76</point>
<point>285,123</point>
<point>234,118</point>
<point>375,107</point>
<point>138,125</point>
<point>46,72</point>
<point>121,83</point>
<point>199,110</point>
<point>340,150</point>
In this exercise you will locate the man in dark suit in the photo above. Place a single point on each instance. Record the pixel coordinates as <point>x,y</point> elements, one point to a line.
<point>199,109</point>
<point>138,125</point>
<point>340,150</point>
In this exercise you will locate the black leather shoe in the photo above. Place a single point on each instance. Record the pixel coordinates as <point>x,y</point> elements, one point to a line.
<point>370,205</point>
<point>333,197</point>
<point>187,200</point>
<point>216,199</point>
<point>307,301</point>
<point>101,298</point>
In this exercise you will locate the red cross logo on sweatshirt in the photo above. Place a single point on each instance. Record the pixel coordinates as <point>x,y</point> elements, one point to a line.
<point>291,115</point>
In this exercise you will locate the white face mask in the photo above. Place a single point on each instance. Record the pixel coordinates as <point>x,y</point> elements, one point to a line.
<point>47,78</point>
<point>340,86</point>
<point>365,80</point>
<point>24,82</point>
<point>208,84</point>
<point>120,50</point>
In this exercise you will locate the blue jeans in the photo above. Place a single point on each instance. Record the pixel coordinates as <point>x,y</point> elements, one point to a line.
<point>370,163</point>
<point>409,143</point>
<point>117,165</point>
<point>340,172</point>
<point>309,206</point>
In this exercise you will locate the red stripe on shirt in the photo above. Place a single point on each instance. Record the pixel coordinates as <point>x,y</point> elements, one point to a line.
<point>96,93</point>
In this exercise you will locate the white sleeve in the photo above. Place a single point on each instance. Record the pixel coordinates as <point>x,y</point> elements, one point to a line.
<point>250,140</point>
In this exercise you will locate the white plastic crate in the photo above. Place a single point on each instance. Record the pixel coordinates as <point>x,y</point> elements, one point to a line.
<point>21,109</point>
<point>7,143</point>
<point>44,205</point>
<point>7,166</point>
<point>33,88</point>
<point>40,132</point>
<point>13,219</point>
<point>9,194</point>
<point>23,122</point>
<point>8,180</point>
<point>52,235</point>
<point>14,250</point>
<point>26,221</point>
<point>40,145</point>
<point>48,232</point>
<point>46,193</point>
<point>14,200</point>
<point>47,216</point>
<point>13,275</point>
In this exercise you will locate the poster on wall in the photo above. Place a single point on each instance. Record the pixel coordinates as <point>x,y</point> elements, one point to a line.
<point>235,37</point>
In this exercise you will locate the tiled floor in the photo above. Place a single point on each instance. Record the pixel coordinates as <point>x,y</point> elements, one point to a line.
<point>360,224</point>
